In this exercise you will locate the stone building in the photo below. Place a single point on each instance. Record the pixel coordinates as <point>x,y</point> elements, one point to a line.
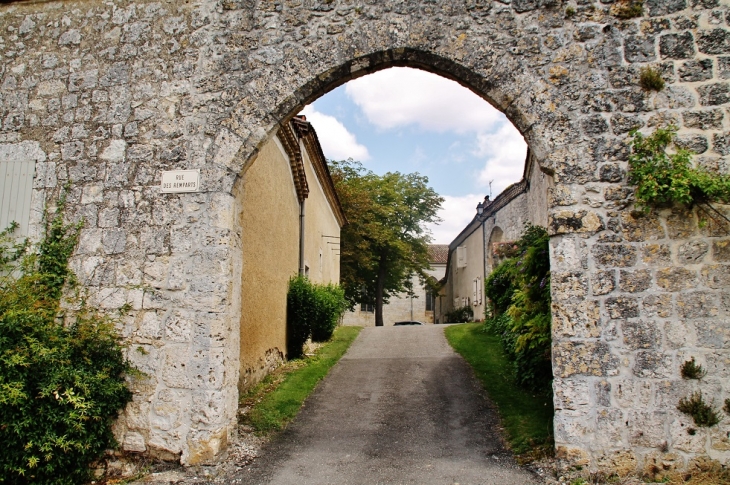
<point>290,220</point>
<point>422,306</point>
<point>106,96</point>
<point>472,253</point>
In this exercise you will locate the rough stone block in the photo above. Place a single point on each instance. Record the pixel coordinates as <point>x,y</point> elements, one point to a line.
<point>676,279</point>
<point>642,228</point>
<point>577,320</point>
<point>714,94</point>
<point>564,221</point>
<point>714,333</point>
<point>710,119</point>
<point>715,41</point>
<point>692,252</point>
<point>583,358</point>
<point>632,393</point>
<point>623,462</point>
<point>635,281</point>
<point>622,307</point>
<point>657,305</point>
<point>716,275</point>
<point>603,282</point>
<point>610,427</point>
<point>568,285</point>
<point>677,46</point>
<point>175,372</point>
<point>721,251</point>
<point>686,436</point>
<point>653,364</point>
<point>614,255</point>
<point>572,397</point>
<point>697,304</point>
<point>655,254</point>
<point>695,143</point>
<point>647,428</point>
<point>696,70</point>
<point>680,334</point>
<point>641,334</point>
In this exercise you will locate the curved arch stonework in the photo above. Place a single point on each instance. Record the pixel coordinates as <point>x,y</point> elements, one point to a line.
<point>116,92</point>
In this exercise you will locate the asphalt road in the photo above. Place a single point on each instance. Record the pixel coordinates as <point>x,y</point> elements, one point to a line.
<point>400,407</point>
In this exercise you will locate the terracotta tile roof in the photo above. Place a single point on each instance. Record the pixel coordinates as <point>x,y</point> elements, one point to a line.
<point>438,253</point>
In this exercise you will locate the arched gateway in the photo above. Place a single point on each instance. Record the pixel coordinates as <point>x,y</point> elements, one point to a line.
<point>108,95</point>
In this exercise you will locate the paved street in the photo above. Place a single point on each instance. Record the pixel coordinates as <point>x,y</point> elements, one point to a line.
<point>400,407</point>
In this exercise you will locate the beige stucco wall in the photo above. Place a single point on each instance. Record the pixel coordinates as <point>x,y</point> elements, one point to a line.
<point>268,211</point>
<point>320,221</point>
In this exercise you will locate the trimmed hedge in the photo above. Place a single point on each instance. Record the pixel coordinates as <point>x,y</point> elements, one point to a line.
<point>313,311</point>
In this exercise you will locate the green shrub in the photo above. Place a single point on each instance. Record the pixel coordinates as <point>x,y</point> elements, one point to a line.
<point>629,9</point>
<point>703,414</point>
<point>61,385</point>
<point>651,79</point>
<point>312,312</point>
<point>691,370</point>
<point>330,304</point>
<point>519,294</point>
<point>462,314</point>
<point>663,178</point>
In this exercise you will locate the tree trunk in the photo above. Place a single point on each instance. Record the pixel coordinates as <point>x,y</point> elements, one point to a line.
<point>379,291</point>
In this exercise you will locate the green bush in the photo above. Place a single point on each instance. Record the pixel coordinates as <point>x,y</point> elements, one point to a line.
<point>519,295</point>
<point>312,312</point>
<point>462,314</point>
<point>330,304</point>
<point>61,384</point>
<point>663,178</point>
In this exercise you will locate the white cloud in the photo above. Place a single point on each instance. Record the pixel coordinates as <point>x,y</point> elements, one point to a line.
<point>505,153</point>
<point>338,143</point>
<point>456,213</point>
<point>400,96</point>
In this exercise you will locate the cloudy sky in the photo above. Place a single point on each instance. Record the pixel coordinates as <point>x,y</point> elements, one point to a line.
<point>407,120</point>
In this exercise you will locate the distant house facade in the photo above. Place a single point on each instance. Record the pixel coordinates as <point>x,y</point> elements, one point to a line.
<point>422,306</point>
<point>290,220</point>
<point>473,254</point>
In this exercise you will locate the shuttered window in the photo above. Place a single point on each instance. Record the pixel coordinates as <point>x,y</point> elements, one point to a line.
<point>16,184</point>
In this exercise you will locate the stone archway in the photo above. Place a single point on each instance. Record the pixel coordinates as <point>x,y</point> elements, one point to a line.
<point>113,94</point>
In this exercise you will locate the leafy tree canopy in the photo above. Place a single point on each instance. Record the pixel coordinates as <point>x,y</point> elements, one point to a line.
<point>385,241</point>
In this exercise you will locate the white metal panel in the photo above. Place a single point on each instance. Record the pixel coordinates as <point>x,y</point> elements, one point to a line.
<point>16,187</point>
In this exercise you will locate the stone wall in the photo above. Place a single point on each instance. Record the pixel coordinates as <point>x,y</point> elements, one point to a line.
<point>113,93</point>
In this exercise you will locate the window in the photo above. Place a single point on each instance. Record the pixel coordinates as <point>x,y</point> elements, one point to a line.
<point>461,257</point>
<point>16,184</point>
<point>367,308</point>
<point>430,301</point>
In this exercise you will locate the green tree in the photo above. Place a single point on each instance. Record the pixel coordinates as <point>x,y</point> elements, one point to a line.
<point>385,241</point>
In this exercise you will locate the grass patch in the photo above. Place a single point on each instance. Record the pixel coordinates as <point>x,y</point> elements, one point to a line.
<point>277,399</point>
<point>527,418</point>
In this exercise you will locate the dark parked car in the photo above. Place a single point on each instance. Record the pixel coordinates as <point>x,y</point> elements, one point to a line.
<point>409,322</point>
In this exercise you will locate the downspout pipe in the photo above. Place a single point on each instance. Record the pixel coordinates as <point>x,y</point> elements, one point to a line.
<point>301,238</point>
